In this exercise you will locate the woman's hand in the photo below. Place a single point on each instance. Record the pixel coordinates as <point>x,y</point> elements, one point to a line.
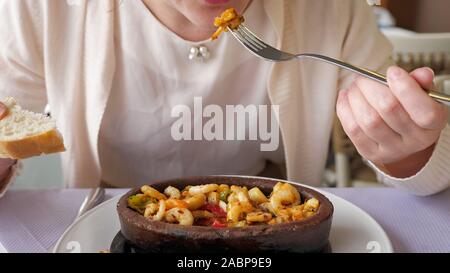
<point>5,163</point>
<point>395,127</point>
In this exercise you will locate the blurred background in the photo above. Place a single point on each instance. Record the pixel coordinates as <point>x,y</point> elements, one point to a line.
<point>420,33</point>
<point>420,15</point>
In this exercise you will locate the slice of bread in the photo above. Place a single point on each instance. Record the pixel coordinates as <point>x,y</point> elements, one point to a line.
<point>25,134</point>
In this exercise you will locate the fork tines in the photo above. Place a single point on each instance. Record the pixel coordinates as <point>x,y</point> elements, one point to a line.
<point>248,38</point>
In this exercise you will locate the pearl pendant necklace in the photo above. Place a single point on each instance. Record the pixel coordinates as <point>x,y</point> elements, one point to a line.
<point>199,53</point>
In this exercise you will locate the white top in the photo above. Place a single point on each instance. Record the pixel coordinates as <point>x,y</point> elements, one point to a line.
<point>151,80</point>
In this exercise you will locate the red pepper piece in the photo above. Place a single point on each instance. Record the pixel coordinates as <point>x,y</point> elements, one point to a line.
<point>218,224</point>
<point>215,209</point>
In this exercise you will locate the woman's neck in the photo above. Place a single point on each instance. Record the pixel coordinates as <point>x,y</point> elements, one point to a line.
<point>174,20</point>
<point>177,22</point>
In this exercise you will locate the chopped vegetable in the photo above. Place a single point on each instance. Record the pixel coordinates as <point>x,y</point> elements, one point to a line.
<point>218,224</point>
<point>224,195</point>
<point>217,210</point>
<point>138,202</point>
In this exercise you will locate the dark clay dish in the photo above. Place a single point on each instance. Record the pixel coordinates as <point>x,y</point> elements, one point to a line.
<point>308,235</point>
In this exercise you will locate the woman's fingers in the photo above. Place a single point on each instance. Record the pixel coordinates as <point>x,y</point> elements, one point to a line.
<point>388,124</point>
<point>365,146</point>
<point>422,109</point>
<point>370,121</point>
<point>424,77</point>
<point>3,111</point>
<point>5,163</point>
<point>387,106</point>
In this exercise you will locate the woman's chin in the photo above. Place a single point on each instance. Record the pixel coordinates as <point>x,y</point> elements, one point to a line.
<point>205,18</point>
<point>217,2</point>
<point>216,7</point>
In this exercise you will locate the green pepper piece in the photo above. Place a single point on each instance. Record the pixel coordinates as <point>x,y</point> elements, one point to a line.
<point>138,202</point>
<point>224,195</point>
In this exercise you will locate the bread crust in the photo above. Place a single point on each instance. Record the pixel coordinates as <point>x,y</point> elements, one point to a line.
<point>45,143</point>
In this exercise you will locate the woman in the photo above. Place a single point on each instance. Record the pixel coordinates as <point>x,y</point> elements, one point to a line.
<point>112,72</point>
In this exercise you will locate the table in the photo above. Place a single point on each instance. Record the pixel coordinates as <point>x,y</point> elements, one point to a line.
<point>33,220</point>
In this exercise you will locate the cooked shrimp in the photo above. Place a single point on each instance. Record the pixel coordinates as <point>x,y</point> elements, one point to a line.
<point>256,196</point>
<point>223,187</point>
<point>232,197</point>
<point>195,201</point>
<point>172,192</point>
<point>235,210</point>
<point>185,194</point>
<point>228,19</point>
<point>285,195</point>
<point>242,223</point>
<point>283,216</point>
<point>161,211</point>
<point>235,188</point>
<point>258,217</point>
<point>181,216</point>
<point>308,214</point>
<point>243,197</point>
<point>312,205</point>
<point>239,194</point>
<point>152,192</point>
<point>203,189</point>
<point>175,203</point>
<point>277,220</point>
<point>151,209</point>
<point>277,186</point>
<point>266,207</point>
<point>213,198</point>
<point>297,212</point>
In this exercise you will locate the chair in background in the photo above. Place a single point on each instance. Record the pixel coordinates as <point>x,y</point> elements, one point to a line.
<point>411,50</point>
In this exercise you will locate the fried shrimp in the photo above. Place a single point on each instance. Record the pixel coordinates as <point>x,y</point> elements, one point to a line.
<point>236,210</point>
<point>151,209</point>
<point>183,217</point>
<point>234,213</point>
<point>284,195</point>
<point>214,198</point>
<point>174,203</point>
<point>152,192</point>
<point>228,19</point>
<point>161,211</point>
<point>172,192</point>
<point>203,189</point>
<point>256,196</point>
<point>258,217</point>
<point>196,201</point>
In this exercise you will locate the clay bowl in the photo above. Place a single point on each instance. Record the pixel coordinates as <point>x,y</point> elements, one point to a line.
<point>310,235</point>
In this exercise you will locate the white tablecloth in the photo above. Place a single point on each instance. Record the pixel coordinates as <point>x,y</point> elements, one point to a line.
<point>2,249</point>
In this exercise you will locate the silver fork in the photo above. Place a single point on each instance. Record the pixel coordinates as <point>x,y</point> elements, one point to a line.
<point>250,41</point>
<point>95,197</point>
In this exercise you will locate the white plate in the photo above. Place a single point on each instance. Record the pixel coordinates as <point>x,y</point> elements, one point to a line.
<point>352,230</point>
